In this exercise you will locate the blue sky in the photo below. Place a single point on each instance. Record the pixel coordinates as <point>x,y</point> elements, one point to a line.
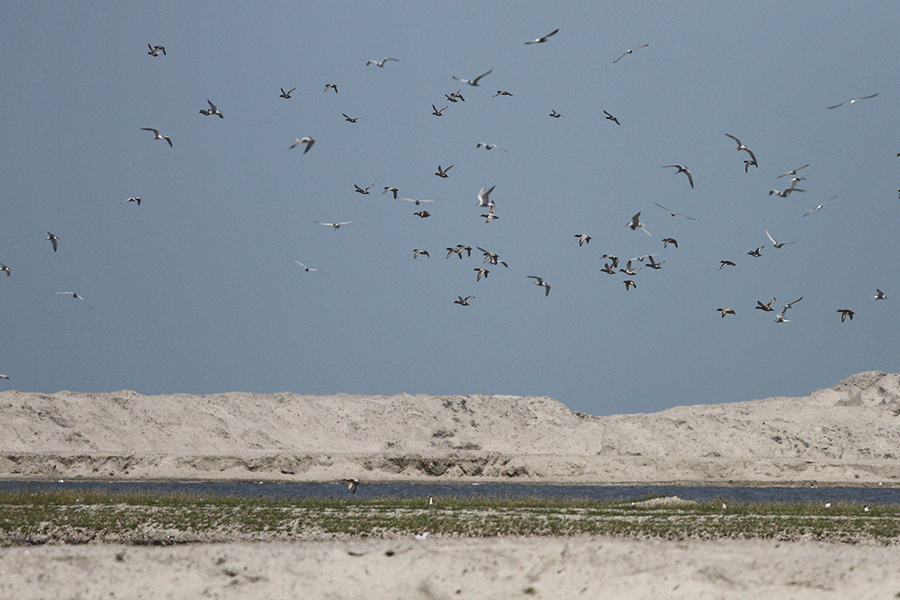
<point>196,290</point>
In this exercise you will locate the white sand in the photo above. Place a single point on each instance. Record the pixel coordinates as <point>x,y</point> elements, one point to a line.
<point>848,434</point>
<point>557,568</point>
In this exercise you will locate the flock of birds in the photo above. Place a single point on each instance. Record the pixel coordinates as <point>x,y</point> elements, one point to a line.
<point>611,265</point>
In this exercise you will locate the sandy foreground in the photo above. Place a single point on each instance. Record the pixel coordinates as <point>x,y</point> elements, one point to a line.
<point>471,568</point>
<point>845,435</point>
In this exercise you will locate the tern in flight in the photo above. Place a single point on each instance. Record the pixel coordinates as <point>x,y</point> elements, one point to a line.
<point>74,295</point>
<point>490,146</point>
<point>541,40</point>
<point>541,283</point>
<point>609,117</point>
<point>853,100</point>
<point>682,169</point>
<point>635,223</point>
<point>156,135</point>
<point>629,52</point>
<point>53,239</point>
<point>286,94</point>
<point>473,82</point>
<point>779,318</point>
<point>673,213</point>
<point>785,192</point>
<point>792,171</point>
<point>819,207</point>
<point>379,63</point>
<point>307,269</point>
<point>132,199</point>
<point>484,196</point>
<point>414,201</point>
<point>336,226</point>
<point>304,140</point>
<point>741,146</point>
<point>778,244</point>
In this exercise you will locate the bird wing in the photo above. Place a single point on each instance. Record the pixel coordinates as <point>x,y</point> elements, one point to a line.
<point>769,235</point>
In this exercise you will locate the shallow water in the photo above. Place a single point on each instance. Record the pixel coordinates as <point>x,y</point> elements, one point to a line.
<point>862,495</point>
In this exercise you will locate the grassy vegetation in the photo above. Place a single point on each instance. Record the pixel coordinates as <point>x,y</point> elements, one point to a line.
<point>143,518</point>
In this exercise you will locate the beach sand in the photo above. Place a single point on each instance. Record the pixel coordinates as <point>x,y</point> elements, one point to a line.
<point>845,435</point>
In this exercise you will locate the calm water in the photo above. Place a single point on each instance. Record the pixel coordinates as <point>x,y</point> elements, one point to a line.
<point>872,495</point>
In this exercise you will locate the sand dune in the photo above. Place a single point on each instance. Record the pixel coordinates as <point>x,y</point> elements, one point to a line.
<point>846,434</point>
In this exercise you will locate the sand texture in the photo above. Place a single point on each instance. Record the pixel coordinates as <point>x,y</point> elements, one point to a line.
<point>846,434</point>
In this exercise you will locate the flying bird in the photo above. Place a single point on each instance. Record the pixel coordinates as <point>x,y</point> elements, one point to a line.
<point>682,169</point>
<point>379,63</point>
<point>417,252</point>
<point>505,93</point>
<point>777,244</point>
<point>304,140</point>
<point>583,238</point>
<point>853,100</point>
<point>726,263</point>
<point>307,269</point>
<point>463,301</point>
<point>541,283</point>
<point>360,190</point>
<point>472,82</point>
<point>156,135</point>
<point>481,272</point>
<point>76,296</point>
<point>673,213</point>
<point>756,252</point>
<point>667,241</point>
<point>53,239</point>
<point>608,268</point>
<point>132,199</point>
<point>155,50</point>
<point>491,257</point>
<point>490,215</point>
<point>792,171</point>
<point>554,114</point>
<point>436,112</point>
<point>489,146</point>
<point>5,269</point>
<point>629,270</point>
<point>4,376</point>
<point>846,312</point>
<point>629,52</point>
<point>332,86</point>
<point>352,484</point>
<point>212,110</point>
<point>350,119</point>
<point>635,223</point>
<point>541,40</point>
<point>336,226</point>
<point>765,307</point>
<point>749,163</point>
<point>422,214</point>
<point>414,201</point>
<point>388,188</point>
<point>609,117</point>
<point>741,146</point>
<point>443,172</point>
<point>484,196</point>
<point>287,94</point>
<point>726,311</point>
<point>779,318</point>
<point>819,207</point>
<point>785,192</point>
<point>629,284</point>
<point>879,295</point>
<point>653,264</point>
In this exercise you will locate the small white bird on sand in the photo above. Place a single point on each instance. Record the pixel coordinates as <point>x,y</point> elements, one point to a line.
<point>472,82</point>
<point>379,63</point>
<point>156,135</point>
<point>541,40</point>
<point>629,52</point>
<point>304,140</point>
<point>541,283</point>
<point>76,296</point>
